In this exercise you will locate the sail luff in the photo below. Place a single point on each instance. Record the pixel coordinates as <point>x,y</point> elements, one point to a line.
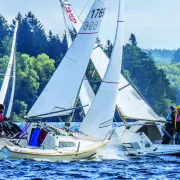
<point>5,83</point>
<point>99,118</point>
<point>63,86</point>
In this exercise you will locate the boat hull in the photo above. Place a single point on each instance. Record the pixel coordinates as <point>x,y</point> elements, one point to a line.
<point>52,155</point>
<point>138,143</point>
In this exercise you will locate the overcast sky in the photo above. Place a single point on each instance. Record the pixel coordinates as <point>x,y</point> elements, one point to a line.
<point>154,22</point>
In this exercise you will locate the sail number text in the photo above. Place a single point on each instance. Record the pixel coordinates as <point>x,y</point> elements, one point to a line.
<point>93,25</point>
<point>98,13</point>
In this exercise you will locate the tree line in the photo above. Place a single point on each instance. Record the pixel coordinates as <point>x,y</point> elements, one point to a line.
<point>38,54</point>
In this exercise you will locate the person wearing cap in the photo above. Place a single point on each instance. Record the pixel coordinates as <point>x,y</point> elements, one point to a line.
<point>177,125</point>
<point>170,125</point>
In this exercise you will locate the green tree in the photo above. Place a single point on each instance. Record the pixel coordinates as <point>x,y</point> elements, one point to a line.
<point>176,56</point>
<point>4,33</point>
<point>32,75</point>
<point>108,48</point>
<point>31,37</point>
<point>132,40</point>
<point>55,48</point>
<point>3,66</point>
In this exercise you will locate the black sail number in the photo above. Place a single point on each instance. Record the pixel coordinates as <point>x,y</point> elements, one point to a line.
<point>98,13</point>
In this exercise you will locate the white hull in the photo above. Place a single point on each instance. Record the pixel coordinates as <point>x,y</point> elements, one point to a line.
<point>157,150</point>
<point>141,140</point>
<point>53,155</point>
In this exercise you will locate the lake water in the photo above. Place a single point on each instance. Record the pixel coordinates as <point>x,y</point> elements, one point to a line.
<point>115,165</point>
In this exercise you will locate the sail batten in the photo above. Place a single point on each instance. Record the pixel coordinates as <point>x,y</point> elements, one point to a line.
<point>62,89</point>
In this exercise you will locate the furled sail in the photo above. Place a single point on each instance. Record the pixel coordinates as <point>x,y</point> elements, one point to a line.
<point>61,91</point>
<point>9,109</point>
<point>99,118</point>
<point>5,83</point>
<point>129,101</point>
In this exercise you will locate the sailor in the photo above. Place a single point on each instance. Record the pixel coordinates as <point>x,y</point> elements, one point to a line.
<point>177,125</point>
<point>170,125</point>
<point>10,129</point>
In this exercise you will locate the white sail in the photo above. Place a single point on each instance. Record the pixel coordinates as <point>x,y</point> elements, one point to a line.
<point>71,15</point>
<point>86,95</point>
<point>62,89</point>
<point>132,105</point>
<point>9,109</point>
<point>99,118</point>
<point>68,36</point>
<point>5,83</point>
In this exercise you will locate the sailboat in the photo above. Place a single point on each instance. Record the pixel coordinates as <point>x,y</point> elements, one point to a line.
<point>131,105</point>
<point>59,98</point>
<point>136,106</point>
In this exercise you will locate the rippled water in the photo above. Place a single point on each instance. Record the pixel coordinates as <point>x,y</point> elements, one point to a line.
<point>121,167</point>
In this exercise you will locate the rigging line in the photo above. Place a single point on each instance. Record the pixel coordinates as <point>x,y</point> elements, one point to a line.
<point>55,112</point>
<point>124,87</point>
<point>72,59</point>
<point>83,9</point>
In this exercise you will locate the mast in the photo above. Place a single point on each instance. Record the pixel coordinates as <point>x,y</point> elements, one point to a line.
<point>5,83</point>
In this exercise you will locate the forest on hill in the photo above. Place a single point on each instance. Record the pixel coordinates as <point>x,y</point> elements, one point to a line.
<point>172,72</point>
<point>38,54</point>
<point>161,56</point>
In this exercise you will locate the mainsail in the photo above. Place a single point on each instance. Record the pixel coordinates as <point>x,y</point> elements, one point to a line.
<point>62,89</point>
<point>6,80</point>
<point>129,101</point>
<point>99,118</point>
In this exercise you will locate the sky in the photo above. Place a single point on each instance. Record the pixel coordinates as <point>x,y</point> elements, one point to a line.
<point>155,23</point>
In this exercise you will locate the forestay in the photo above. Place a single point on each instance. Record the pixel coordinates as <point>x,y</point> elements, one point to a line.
<point>5,83</point>
<point>99,118</point>
<point>130,103</point>
<point>61,91</point>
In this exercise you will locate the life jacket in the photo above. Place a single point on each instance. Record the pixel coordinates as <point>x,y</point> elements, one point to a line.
<point>1,117</point>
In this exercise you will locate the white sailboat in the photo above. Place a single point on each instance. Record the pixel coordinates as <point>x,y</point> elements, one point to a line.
<point>61,93</point>
<point>136,106</point>
<point>130,105</point>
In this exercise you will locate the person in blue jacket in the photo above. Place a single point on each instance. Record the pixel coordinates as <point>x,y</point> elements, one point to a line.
<point>170,125</point>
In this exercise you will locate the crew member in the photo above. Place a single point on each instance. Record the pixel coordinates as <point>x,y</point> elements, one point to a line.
<point>170,125</point>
